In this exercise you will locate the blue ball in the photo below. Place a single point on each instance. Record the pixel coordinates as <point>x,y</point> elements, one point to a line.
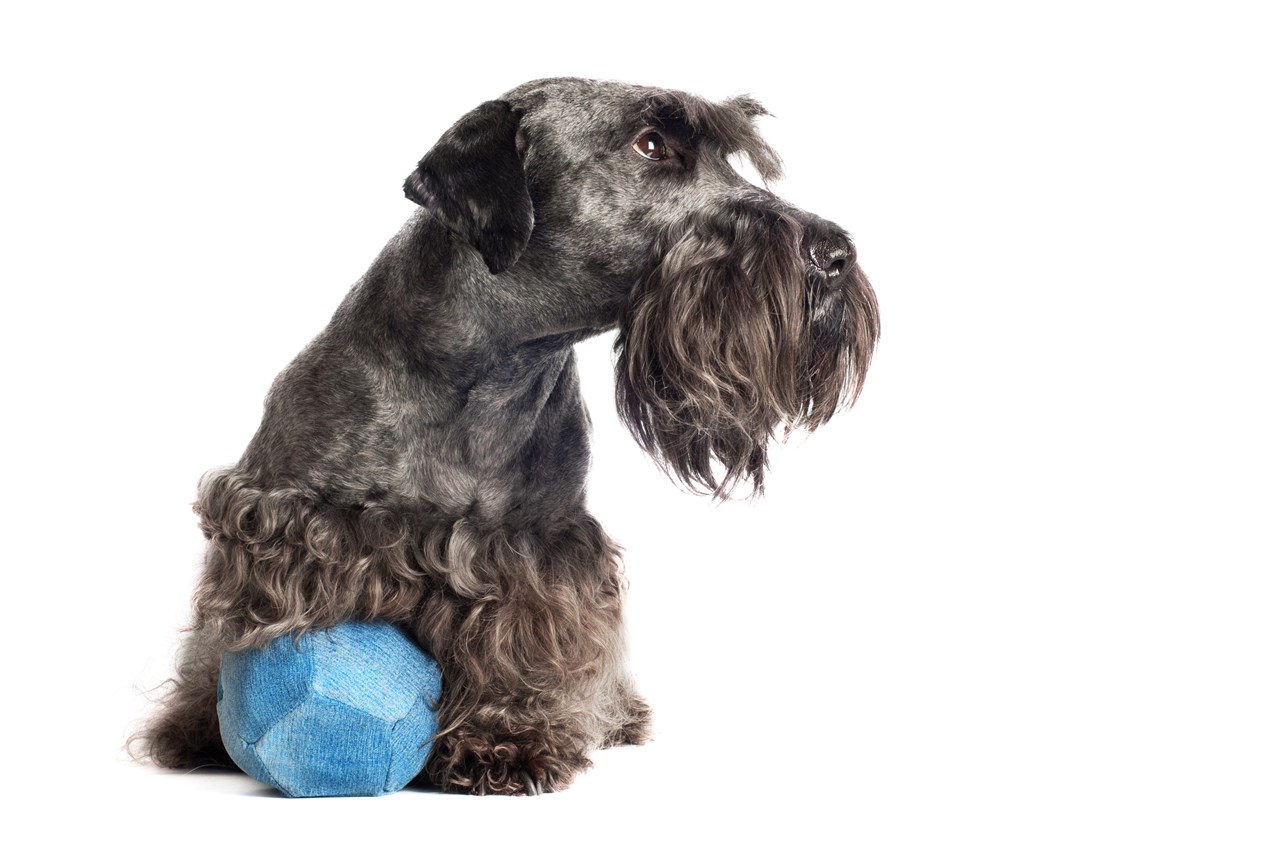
<point>346,711</point>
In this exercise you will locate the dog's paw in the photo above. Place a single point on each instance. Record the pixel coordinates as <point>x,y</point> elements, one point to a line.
<point>482,763</point>
<point>637,727</point>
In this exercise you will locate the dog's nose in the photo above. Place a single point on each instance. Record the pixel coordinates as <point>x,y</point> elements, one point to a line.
<point>832,257</point>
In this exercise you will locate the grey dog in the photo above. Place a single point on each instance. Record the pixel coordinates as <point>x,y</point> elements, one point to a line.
<point>423,460</point>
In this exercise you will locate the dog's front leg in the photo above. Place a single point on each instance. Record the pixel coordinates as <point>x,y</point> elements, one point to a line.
<point>530,637</point>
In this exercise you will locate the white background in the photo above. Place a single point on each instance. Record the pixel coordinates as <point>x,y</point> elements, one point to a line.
<point>1023,598</point>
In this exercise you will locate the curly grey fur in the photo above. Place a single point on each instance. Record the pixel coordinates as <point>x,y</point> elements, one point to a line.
<point>423,460</point>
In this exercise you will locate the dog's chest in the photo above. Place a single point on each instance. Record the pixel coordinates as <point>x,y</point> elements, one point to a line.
<point>514,439</point>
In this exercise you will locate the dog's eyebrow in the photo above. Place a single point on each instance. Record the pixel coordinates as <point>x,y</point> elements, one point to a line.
<point>729,126</point>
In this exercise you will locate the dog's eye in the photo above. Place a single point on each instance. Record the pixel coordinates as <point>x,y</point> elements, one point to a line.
<point>651,146</point>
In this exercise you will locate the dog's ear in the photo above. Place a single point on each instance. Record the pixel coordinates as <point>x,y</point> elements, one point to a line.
<point>473,180</point>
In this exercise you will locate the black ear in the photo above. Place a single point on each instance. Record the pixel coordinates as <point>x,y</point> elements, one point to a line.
<point>474,182</point>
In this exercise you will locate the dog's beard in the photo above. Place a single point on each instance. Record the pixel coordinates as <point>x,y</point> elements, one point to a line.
<point>733,339</point>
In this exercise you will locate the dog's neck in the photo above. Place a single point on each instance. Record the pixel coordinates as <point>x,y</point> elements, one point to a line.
<point>432,300</point>
<point>451,405</point>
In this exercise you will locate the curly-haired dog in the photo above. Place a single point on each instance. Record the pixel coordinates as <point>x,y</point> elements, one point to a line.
<point>423,460</point>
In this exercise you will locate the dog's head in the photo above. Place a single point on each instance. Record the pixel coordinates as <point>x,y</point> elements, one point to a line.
<point>740,316</point>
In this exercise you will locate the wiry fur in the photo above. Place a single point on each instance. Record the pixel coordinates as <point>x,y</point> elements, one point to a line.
<point>423,461</point>
<point>728,128</point>
<point>728,340</point>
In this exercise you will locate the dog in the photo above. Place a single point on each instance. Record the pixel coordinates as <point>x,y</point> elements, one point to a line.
<point>423,460</point>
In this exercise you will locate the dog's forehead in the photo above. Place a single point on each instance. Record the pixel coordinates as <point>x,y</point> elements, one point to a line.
<point>570,95</point>
<point>575,103</point>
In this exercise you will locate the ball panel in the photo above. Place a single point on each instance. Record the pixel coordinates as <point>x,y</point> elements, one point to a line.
<point>410,743</point>
<point>324,748</point>
<point>245,755</point>
<point>259,686</point>
<point>372,666</point>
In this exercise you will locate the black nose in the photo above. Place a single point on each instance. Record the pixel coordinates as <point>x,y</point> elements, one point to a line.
<point>832,257</point>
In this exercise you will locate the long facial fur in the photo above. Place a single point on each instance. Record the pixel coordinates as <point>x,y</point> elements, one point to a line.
<point>733,338</point>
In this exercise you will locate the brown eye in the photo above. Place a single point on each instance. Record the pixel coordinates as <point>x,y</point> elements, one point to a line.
<point>651,146</point>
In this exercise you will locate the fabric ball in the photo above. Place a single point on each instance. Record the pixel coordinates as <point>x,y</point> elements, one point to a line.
<point>345,711</point>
